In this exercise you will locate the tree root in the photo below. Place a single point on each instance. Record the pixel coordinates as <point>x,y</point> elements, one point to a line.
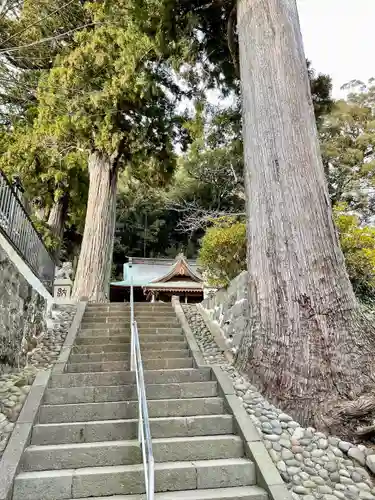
<point>333,417</point>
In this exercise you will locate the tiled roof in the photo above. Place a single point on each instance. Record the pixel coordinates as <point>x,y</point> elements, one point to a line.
<point>146,270</point>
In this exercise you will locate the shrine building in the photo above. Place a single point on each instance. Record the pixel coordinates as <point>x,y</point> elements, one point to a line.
<point>159,279</point>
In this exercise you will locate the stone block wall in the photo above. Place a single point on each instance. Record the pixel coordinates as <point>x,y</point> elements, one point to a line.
<point>229,308</point>
<point>22,316</point>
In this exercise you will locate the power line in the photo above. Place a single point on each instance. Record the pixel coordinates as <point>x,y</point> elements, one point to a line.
<point>37,22</point>
<point>49,39</point>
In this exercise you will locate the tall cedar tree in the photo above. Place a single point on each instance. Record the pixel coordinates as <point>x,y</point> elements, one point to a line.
<point>114,97</point>
<point>309,347</point>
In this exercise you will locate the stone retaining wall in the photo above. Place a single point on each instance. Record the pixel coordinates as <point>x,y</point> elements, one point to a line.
<point>229,308</point>
<point>314,466</point>
<point>22,316</point>
<point>15,386</point>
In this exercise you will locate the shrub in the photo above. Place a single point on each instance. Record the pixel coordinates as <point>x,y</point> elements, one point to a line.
<point>223,251</point>
<point>358,245</point>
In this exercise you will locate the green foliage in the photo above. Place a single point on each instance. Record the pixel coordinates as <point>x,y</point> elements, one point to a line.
<point>358,245</point>
<point>223,251</point>
<point>347,137</point>
<point>49,239</point>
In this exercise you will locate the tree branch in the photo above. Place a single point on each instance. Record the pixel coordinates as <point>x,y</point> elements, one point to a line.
<point>196,218</point>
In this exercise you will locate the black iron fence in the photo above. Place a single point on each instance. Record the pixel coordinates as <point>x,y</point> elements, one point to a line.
<point>17,227</point>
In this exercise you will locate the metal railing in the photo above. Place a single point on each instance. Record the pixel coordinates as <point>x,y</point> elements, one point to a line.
<point>17,227</point>
<point>144,433</point>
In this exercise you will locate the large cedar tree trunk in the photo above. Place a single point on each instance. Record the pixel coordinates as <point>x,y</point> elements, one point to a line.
<point>56,220</point>
<point>93,274</point>
<point>308,348</point>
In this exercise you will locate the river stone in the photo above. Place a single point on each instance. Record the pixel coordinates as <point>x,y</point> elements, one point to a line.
<point>296,479</point>
<point>281,466</point>
<point>283,417</point>
<point>339,494</point>
<point>300,490</point>
<point>324,489</point>
<point>317,453</point>
<point>298,433</point>
<point>323,444</point>
<point>309,484</point>
<point>346,480</point>
<point>344,446</point>
<point>331,466</point>
<point>318,480</point>
<point>274,455</point>
<point>286,454</point>
<point>273,437</point>
<point>357,454</point>
<point>366,495</point>
<point>370,462</point>
<point>293,470</point>
<point>284,442</point>
<point>357,478</point>
<point>363,486</point>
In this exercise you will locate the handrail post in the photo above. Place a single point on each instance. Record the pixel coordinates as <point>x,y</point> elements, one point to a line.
<point>132,343</point>
<point>144,434</point>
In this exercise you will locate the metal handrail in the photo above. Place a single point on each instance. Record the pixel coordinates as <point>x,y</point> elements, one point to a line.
<point>144,433</point>
<point>19,230</point>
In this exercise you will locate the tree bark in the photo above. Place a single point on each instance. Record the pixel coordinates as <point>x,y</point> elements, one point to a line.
<point>93,274</point>
<point>56,220</point>
<point>308,344</point>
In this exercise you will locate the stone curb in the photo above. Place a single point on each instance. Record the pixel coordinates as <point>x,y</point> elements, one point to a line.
<point>20,437</point>
<point>216,333</point>
<point>193,346</point>
<point>268,476</point>
<point>70,338</point>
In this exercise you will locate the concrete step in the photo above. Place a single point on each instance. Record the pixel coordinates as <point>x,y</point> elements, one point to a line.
<point>148,364</point>
<point>238,493</point>
<point>108,453</point>
<point>94,325</point>
<point>84,412</point>
<point>125,339</point>
<point>129,479</point>
<point>126,306</point>
<point>115,430</point>
<point>114,317</point>
<point>129,392</point>
<point>146,346</point>
<point>126,377</point>
<point>121,355</point>
<point>103,331</point>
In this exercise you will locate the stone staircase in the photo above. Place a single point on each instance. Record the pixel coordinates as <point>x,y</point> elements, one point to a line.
<point>84,442</point>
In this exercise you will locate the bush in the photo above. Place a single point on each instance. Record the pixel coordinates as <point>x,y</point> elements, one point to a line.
<point>223,251</point>
<point>358,245</point>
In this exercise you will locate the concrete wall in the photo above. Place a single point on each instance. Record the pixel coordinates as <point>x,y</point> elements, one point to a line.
<point>229,308</point>
<point>22,313</point>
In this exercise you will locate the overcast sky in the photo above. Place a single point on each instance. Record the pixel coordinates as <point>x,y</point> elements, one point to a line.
<point>339,38</point>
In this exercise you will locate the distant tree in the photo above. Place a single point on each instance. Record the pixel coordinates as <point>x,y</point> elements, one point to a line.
<point>347,137</point>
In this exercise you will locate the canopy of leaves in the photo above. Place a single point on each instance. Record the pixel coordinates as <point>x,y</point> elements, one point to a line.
<point>223,251</point>
<point>114,92</point>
